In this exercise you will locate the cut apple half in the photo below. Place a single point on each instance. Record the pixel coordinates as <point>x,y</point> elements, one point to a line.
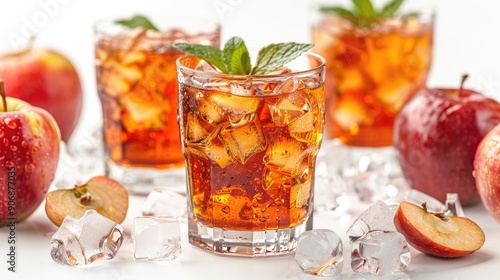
<point>436,234</point>
<point>102,194</point>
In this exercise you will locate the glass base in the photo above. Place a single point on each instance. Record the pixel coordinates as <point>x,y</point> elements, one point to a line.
<point>264,243</point>
<point>143,180</point>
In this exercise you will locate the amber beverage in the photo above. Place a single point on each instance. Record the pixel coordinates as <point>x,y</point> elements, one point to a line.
<point>250,144</point>
<point>371,72</point>
<point>137,86</point>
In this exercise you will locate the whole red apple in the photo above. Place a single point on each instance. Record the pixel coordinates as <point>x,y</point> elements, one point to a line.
<point>436,134</point>
<point>29,153</point>
<point>487,171</point>
<point>46,79</point>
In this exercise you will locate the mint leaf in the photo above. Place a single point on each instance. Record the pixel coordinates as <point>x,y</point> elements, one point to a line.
<point>364,8</point>
<point>236,57</point>
<point>211,54</point>
<point>363,14</point>
<point>277,55</point>
<point>137,21</point>
<point>390,8</point>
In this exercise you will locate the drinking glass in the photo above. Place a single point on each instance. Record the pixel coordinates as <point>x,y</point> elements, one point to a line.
<point>137,86</point>
<point>250,143</point>
<point>372,69</point>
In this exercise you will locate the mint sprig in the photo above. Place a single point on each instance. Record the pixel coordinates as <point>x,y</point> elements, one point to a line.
<point>137,21</point>
<point>234,58</point>
<point>363,13</point>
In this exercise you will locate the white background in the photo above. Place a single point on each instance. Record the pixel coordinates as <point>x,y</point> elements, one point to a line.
<point>466,36</point>
<point>466,41</point>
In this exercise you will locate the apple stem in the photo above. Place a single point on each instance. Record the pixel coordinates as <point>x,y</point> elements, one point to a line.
<point>464,77</point>
<point>4,98</point>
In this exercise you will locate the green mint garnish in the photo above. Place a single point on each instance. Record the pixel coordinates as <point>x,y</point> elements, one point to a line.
<point>138,21</point>
<point>235,59</point>
<point>364,14</point>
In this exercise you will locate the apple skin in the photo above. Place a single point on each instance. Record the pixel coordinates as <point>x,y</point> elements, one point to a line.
<point>436,134</point>
<point>459,236</point>
<point>47,79</point>
<point>29,154</point>
<point>487,171</point>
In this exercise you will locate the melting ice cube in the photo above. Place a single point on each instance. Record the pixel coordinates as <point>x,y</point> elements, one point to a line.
<point>156,238</point>
<point>379,216</point>
<point>320,252</point>
<point>163,202</point>
<point>85,240</point>
<point>380,253</point>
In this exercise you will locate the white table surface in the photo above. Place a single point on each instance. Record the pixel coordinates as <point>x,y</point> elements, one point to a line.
<point>465,41</point>
<point>33,255</point>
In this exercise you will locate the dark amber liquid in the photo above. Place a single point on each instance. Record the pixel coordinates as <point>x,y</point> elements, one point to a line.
<point>250,159</point>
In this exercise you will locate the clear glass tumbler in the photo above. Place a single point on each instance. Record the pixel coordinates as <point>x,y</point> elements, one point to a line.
<point>250,144</point>
<point>137,85</point>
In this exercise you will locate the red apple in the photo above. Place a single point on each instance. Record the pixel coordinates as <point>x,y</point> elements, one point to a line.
<point>436,134</point>
<point>46,79</point>
<point>29,153</point>
<point>487,171</point>
<point>436,234</point>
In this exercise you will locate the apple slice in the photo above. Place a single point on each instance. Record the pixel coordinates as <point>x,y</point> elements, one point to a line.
<point>435,234</point>
<point>105,195</point>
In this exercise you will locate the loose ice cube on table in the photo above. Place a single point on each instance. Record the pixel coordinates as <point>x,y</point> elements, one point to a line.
<point>156,238</point>
<point>379,216</point>
<point>85,240</point>
<point>453,207</point>
<point>163,202</point>
<point>320,252</point>
<point>380,253</point>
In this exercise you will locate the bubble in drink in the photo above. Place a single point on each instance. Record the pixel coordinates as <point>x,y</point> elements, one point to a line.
<point>82,241</point>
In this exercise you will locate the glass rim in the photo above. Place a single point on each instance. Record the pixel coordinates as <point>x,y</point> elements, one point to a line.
<point>100,31</point>
<point>293,73</point>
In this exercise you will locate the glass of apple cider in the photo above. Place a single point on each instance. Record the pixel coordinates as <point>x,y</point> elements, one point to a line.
<point>372,69</point>
<point>137,86</point>
<point>250,143</point>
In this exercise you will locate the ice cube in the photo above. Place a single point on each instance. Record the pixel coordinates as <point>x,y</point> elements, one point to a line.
<point>378,216</point>
<point>417,197</point>
<point>320,252</point>
<point>380,253</point>
<point>141,110</point>
<point>164,202</point>
<point>240,109</point>
<point>219,153</point>
<point>287,157</point>
<point>307,128</point>
<point>453,207</point>
<point>82,241</point>
<point>156,238</point>
<point>244,141</point>
<point>197,131</point>
<point>371,186</point>
<point>288,108</point>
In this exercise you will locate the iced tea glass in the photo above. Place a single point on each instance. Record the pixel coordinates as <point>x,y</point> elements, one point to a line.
<point>371,71</point>
<point>250,144</point>
<point>137,86</point>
